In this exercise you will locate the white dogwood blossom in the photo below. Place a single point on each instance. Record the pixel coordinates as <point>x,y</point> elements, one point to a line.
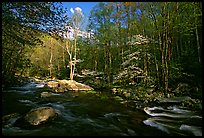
<point>78,10</point>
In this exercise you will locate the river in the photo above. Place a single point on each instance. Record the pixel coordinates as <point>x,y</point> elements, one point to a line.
<point>94,114</point>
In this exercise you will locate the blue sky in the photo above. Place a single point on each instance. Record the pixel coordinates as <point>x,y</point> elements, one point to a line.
<point>85,6</point>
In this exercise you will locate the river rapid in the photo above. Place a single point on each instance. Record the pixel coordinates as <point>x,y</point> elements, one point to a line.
<point>93,114</point>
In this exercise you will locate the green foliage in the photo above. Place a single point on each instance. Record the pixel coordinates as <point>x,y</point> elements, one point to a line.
<point>174,58</point>
<point>195,104</point>
<point>171,56</point>
<point>91,92</point>
<point>118,98</point>
<point>104,97</point>
<point>20,30</point>
<point>40,58</point>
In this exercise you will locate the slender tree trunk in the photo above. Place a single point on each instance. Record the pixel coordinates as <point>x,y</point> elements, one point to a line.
<point>110,62</point>
<point>105,58</point>
<point>51,56</point>
<point>166,64</point>
<point>177,38</point>
<point>157,67</point>
<point>95,61</point>
<point>167,49</point>
<point>163,48</point>
<point>69,51</point>
<point>162,45</point>
<point>71,73</point>
<point>120,47</point>
<point>75,43</point>
<point>198,45</point>
<point>63,58</point>
<point>145,61</point>
<point>70,62</point>
<point>145,65</point>
<point>197,37</point>
<point>122,51</point>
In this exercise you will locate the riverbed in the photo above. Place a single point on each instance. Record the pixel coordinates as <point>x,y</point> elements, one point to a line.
<point>93,114</point>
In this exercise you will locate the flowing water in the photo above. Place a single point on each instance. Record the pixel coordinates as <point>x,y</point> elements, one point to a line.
<point>94,114</point>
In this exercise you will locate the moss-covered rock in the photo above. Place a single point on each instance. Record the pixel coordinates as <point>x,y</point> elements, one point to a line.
<point>40,115</point>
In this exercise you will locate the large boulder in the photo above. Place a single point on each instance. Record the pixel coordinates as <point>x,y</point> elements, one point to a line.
<point>65,85</point>
<point>40,115</point>
<point>74,86</point>
<point>52,84</point>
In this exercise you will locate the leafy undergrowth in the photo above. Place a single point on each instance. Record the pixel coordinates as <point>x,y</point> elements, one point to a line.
<point>147,96</point>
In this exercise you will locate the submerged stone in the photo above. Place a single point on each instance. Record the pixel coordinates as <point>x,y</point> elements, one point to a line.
<point>10,119</point>
<point>196,131</point>
<point>40,115</point>
<point>45,94</point>
<point>173,100</point>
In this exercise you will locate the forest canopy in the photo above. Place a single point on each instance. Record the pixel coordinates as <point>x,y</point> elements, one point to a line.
<point>133,43</point>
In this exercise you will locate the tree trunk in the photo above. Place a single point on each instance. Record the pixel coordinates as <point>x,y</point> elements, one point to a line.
<point>105,58</point>
<point>75,43</point>
<point>177,38</point>
<point>95,61</point>
<point>164,49</point>
<point>110,62</point>
<point>71,73</point>
<point>197,37</point>
<point>162,58</point>
<point>63,58</point>
<point>198,45</point>
<point>51,55</point>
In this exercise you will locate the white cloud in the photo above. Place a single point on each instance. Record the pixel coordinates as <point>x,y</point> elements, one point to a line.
<point>72,10</point>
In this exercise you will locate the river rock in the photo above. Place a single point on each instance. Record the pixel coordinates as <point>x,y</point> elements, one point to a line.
<point>64,85</point>
<point>10,119</point>
<point>173,99</point>
<point>75,86</point>
<point>40,115</point>
<point>45,94</point>
<point>52,84</point>
<point>196,131</point>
